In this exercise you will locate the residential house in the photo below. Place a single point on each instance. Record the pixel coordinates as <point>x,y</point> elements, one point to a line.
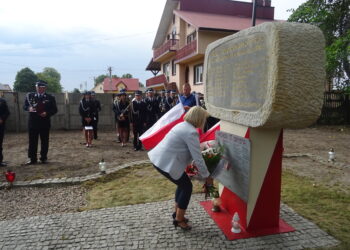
<point>4,88</point>
<point>98,88</point>
<point>185,30</point>
<point>114,85</point>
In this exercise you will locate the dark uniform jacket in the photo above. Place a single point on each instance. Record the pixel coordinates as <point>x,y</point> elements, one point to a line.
<point>97,107</point>
<point>4,110</point>
<point>152,109</point>
<point>121,108</point>
<point>87,109</point>
<point>138,113</point>
<point>42,103</point>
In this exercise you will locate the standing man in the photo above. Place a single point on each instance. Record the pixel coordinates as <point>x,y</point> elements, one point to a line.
<point>187,99</point>
<point>174,98</point>
<point>41,106</point>
<point>4,113</point>
<point>153,110</point>
<point>168,101</point>
<point>97,109</point>
<point>162,103</point>
<point>138,119</point>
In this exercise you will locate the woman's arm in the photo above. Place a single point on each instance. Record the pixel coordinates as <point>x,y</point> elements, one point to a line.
<point>194,147</point>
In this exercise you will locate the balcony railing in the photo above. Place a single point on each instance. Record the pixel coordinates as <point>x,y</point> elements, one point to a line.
<point>170,45</point>
<point>186,50</point>
<point>156,80</point>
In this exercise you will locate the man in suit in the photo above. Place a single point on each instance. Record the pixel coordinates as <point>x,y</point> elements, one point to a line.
<point>97,109</point>
<point>4,113</point>
<point>138,119</point>
<point>41,106</point>
<point>153,110</point>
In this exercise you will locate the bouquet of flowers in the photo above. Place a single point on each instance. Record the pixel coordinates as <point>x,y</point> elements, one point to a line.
<point>212,155</point>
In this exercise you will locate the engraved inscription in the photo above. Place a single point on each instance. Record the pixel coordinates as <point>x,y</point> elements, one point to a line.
<point>235,176</point>
<point>237,74</point>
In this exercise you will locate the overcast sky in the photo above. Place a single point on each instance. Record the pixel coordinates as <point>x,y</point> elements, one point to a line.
<point>81,38</point>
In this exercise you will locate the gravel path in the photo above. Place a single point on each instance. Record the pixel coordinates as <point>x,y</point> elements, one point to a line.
<point>18,203</point>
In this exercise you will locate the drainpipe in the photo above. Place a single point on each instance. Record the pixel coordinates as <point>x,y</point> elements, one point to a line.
<point>254,13</point>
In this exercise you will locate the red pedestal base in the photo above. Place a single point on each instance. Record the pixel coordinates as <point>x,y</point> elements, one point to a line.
<point>223,219</point>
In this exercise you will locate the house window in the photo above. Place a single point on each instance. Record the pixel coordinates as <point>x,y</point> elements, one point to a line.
<point>173,18</point>
<point>191,37</point>
<point>173,67</point>
<point>166,70</point>
<point>198,74</point>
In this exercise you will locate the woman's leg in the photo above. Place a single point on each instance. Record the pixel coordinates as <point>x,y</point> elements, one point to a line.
<point>184,196</point>
<point>86,136</point>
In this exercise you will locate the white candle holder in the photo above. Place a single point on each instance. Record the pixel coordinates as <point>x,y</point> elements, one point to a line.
<point>102,166</point>
<point>235,224</point>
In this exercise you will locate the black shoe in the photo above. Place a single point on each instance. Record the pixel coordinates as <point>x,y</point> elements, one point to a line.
<point>185,227</point>
<point>3,164</point>
<point>30,162</point>
<point>43,161</point>
<point>174,216</point>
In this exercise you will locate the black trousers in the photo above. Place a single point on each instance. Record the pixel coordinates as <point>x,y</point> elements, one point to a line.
<point>94,126</point>
<point>137,131</point>
<point>33,143</point>
<point>184,188</point>
<point>2,133</point>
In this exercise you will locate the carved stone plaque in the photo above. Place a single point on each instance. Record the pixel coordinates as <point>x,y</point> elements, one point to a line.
<point>235,174</point>
<point>270,76</point>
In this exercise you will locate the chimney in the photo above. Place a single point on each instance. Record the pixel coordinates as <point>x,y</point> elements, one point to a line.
<point>267,3</point>
<point>263,3</point>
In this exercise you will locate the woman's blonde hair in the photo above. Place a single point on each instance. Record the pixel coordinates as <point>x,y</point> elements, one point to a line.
<point>197,116</point>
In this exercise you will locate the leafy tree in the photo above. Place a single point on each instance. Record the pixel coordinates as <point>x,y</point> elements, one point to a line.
<point>127,75</point>
<point>333,18</point>
<point>75,90</point>
<point>25,80</point>
<point>100,79</point>
<point>141,85</point>
<point>53,78</point>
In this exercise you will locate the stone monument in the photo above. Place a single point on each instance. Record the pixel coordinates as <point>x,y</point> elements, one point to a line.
<point>259,81</point>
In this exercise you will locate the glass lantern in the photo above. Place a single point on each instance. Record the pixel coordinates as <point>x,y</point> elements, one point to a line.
<point>102,166</point>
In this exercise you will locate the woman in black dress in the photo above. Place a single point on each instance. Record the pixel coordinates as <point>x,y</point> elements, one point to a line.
<point>121,110</point>
<point>88,114</point>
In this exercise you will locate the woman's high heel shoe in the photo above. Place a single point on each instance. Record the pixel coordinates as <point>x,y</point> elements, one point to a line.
<point>177,223</point>
<point>185,220</point>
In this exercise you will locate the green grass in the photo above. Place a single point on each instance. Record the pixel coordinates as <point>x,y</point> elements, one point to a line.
<point>139,184</point>
<point>328,207</point>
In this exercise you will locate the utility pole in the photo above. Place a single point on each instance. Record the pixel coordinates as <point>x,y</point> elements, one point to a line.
<point>254,13</point>
<point>110,77</point>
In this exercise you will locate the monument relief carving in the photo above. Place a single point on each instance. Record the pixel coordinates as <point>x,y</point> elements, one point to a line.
<point>270,76</point>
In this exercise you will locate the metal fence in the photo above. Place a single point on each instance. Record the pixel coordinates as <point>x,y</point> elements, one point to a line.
<point>336,108</point>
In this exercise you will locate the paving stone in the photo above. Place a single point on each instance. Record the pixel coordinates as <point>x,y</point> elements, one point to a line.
<point>148,226</point>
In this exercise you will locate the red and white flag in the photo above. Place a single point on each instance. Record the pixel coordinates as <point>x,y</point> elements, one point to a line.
<point>157,132</point>
<point>210,134</point>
